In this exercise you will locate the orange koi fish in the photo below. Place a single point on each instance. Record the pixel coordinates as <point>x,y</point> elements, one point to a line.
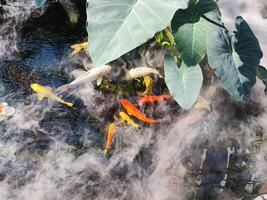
<point>152,99</point>
<point>2,109</point>
<point>132,110</point>
<point>126,118</point>
<point>111,130</point>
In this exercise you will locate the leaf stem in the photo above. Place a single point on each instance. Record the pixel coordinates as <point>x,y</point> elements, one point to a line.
<point>174,51</point>
<point>213,22</point>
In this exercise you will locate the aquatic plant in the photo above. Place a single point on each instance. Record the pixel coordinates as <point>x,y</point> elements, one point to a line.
<point>190,29</point>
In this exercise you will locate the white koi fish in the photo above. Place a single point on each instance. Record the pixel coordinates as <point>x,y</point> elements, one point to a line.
<point>140,72</point>
<point>96,73</point>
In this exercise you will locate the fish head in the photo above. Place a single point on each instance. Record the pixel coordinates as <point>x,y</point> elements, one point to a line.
<point>128,106</point>
<point>105,69</point>
<point>123,115</point>
<point>35,87</point>
<point>124,102</point>
<point>128,76</point>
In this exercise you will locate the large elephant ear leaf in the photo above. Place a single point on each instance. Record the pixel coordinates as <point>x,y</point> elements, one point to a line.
<point>39,3</point>
<point>262,74</point>
<point>235,59</point>
<point>189,30</point>
<point>184,83</point>
<point>116,27</point>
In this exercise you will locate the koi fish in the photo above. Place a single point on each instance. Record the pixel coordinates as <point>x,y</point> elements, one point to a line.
<point>96,73</point>
<point>44,91</point>
<point>78,47</point>
<point>126,118</point>
<point>152,99</point>
<point>2,108</point>
<point>111,130</point>
<point>132,110</point>
<point>147,83</point>
<point>140,72</point>
<point>6,111</point>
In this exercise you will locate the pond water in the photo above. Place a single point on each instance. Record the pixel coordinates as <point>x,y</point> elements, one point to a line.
<point>51,152</point>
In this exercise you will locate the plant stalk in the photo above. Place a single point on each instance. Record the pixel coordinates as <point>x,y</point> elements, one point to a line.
<point>174,51</point>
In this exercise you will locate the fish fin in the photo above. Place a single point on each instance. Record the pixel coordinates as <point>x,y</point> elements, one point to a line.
<point>145,93</point>
<point>40,97</point>
<point>74,52</point>
<point>99,81</point>
<point>63,88</point>
<point>49,89</point>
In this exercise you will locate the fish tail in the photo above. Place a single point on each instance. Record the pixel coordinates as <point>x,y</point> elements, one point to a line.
<point>105,152</point>
<point>151,121</point>
<point>63,88</point>
<point>69,104</point>
<point>73,53</point>
<point>135,125</point>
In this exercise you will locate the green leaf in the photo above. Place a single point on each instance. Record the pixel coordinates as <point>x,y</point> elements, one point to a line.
<point>262,74</point>
<point>235,59</point>
<point>39,3</point>
<point>189,31</point>
<point>184,83</point>
<point>115,27</point>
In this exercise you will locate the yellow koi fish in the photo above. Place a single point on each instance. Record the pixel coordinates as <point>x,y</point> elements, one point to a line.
<point>43,91</point>
<point>78,47</point>
<point>147,82</point>
<point>127,118</point>
<point>111,130</point>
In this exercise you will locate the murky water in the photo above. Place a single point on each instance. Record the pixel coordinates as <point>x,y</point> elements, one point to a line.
<point>51,152</point>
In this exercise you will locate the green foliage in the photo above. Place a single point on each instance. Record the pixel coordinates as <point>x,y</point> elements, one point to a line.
<point>262,74</point>
<point>235,59</point>
<point>39,3</point>
<point>184,83</point>
<point>189,30</point>
<point>116,27</point>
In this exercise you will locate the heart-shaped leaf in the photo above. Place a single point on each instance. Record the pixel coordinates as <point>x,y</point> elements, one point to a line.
<point>184,83</point>
<point>39,3</point>
<point>235,59</point>
<point>189,31</point>
<point>115,27</point>
<point>262,74</point>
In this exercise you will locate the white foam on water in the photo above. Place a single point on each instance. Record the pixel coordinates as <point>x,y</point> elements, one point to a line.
<point>14,14</point>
